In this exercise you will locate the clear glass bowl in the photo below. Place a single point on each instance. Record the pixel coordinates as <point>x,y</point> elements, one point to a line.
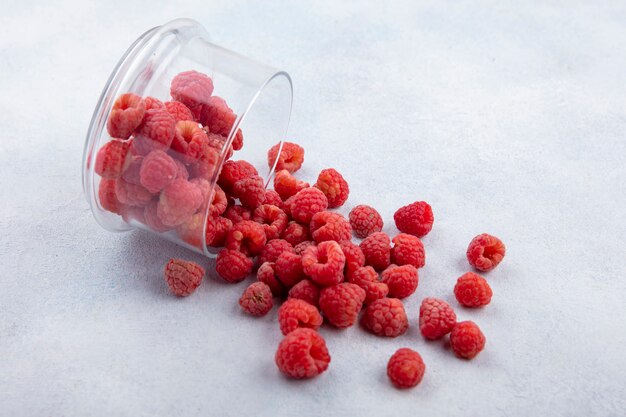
<point>259,99</point>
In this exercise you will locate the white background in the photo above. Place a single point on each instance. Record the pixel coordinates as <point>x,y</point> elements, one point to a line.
<point>508,118</point>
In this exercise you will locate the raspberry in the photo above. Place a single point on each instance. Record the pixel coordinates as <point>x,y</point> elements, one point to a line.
<point>153,103</point>
<point>334,187</point>
<point>246,237</point>
<point>273,249</point>
<point>405,368</point>
<point>153,221</point>
<point>415,218</point>
<point>291,157</point>
<point>288,269</point>
<point>354,257</point>
<point>178,201</point>
<point>206,165</point>
<point>367,278</point>
<point>131,173</point>
<point>324,263</point>
<point>237,214</point>
<point>131,194</point>
<point>112,159</point>
<point>408,250</point>
<point>437,318</point>
<point>342,303</point>
<point>219,118</point>
<point>467,340</point>
<point>401,280</point>
<point>272,197</point>
<point>256,300</point>
<point>365,220</point>
<point>295,233</point>
<point>296,313</point>
<point>191,230</point>
<point>306,203</point>
<point>191,88</point>
<point>273,219</point>
<point>376,249</point>
<point>302,354</point>
<point>234,171</point>
<point>178,110</point>
<point>126,115</point>
<point>157,171</point>
<point>327,225</point>
<point>287,185</point>
<point>250,191</point>
<point>485,252</point>
<point>190,142</point>
<point>219,201</point>
<point>156,132</point>
<point>183,277</point>
<point>301,247</point>
<point>217,230</point>
<point>385,317</point>
<point>306,290</point>
<point>108,197</point>
<point>267,274</point>
<point>233,266</point>
<point>472,290</point>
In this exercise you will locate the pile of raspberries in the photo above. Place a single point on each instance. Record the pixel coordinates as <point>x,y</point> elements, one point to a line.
<point>157,170</point>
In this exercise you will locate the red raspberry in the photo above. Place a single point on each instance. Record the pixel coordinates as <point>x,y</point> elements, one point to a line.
<point>296,233</point>
<point>289,269</point>
<point>218,199</point>
<point>334,187</point>
<point>485,252</point>
<point>234,171</point>
<point>206,166</point>
<point>376,249</point>
<point>267,274</point>
<point>126,115</point>
<point>365,220</point>
<point>287,206</point>
<point>408,250</point>
<point>178,201</point>
<point>256,300</point>
<point>296,313</point>
<point>273,249</point>
<point>354,257</point>
<point>342,303</point>
<point>219,118</point>
<point>191,88</point>
<point>437,318</point>
<point>287,185</point>
<point>327,225</point>
<point>415,218</point>
<point>385,317</point>
<point>273,219</point>
<point>246,237</point>
<point>324,263</point>
<point>153,221</point>
<point>405,368</point>
<point>190,142</point>
<point>306,203</point>
<point>217,230</point>
<point>472,290</point>
<point>467,340</point>
<point>272,197</point>
<point>291,157</point>
<point>112,159</point>
<point>178,110</point>
<point>301,247</point>
<point>367,278</point>
<point>108,197</point>
<point>233,266</point>
<point>238,213</point>
<point>401,280</point>
<point>156,132</point>
<point>183,277</point>
<point>153,103</point>
<point>306,290</point>
<point>131,194</point>
<point>157,171</point>
<point>191,230</point>
<point>302,354</point>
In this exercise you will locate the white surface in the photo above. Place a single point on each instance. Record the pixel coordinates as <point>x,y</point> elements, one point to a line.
<point>508,120</point>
